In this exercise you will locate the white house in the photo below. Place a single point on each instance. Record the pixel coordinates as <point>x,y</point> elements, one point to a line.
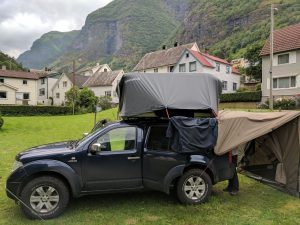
<point>18,87</point>
<point>164,60</point>
<point>89,71</point>
<point>44,85</point>
<point>286,64</point>
<point>197,62</point>
<point>105,84</point>
<point>64,84</point>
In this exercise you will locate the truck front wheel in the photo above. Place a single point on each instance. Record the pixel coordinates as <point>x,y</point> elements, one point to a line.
<point>44,197</point>
<point>194,187</point>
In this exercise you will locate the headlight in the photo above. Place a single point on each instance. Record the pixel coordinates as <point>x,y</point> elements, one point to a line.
<point>16,165</point>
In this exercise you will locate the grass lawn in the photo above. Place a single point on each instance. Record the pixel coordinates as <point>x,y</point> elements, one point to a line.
<point>256,203</point>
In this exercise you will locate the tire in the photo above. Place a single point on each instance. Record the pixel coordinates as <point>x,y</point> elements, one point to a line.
<point>37,195</point>
<point>194,187</point>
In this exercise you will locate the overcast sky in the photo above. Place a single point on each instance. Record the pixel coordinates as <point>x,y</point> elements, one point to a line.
<point>23,21</point>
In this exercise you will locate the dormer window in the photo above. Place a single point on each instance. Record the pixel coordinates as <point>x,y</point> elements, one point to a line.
<point>187,55</point>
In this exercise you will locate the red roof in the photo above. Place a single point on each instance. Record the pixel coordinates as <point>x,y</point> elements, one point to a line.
<point>201,58</point>
<point>214,58</point>
<point>285,39</point>
<point>235,70</point>
<point>19,74</point>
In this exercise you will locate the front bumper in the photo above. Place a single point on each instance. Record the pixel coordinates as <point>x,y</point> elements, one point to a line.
<point>14,183</point>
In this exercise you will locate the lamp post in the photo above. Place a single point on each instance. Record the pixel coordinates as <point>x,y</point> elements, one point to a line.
<point>271,56</point>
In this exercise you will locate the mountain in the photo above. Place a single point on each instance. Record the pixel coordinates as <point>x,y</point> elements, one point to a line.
<point>121,32</point>
<point>47,49</point>
<point>9,62</point>
<point>228,28</point>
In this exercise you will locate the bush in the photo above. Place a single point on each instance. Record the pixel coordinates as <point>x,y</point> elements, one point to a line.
<point>105,102</point>
<point>283,103</point>
<point>1,122</point>
<point>25,110</point>
<point>242,97</point>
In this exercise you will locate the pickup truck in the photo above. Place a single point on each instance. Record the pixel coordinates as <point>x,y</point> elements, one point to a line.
<point>117,157</point>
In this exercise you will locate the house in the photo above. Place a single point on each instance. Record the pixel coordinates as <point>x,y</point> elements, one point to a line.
<point>89,71</point>
<point>64,84</point>
<point>198,62</point>
<point>44,87</point>
<point>286,64</point>
<point>105,83</point>
<point>18,87</point>
<point>163,61</point>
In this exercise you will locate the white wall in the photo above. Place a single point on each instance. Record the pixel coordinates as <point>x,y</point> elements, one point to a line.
<point>30,87</point>
<point>10,95</point>
<point>59,88</point>
<point>222,75</point>
<point>48,85</point>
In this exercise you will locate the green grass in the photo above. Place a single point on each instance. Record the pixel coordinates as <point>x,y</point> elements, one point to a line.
<point>255,204</point>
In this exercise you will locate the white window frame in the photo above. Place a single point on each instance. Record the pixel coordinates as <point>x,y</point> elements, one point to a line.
<point>193,63</point>
<point>107,93</point>
<point>218,67</point>
<point>227,69</point>
<point>234,86</point>
<point>224,85</point>
<point>40,94</point>
<point>283,55</point>
<point>155,70</point>
<point>5,95</point>
<point>182,66</point>
<point>290,83</point>
<point>43,81</point>
<point>26,82</point>
<point>57,95</point>
<point>65,83</point>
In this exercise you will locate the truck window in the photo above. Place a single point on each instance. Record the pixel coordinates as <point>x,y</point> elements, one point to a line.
<point>157,139</point>
<point>119,139</point>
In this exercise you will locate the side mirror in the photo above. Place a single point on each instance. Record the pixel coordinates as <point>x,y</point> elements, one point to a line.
<point>95,148</point>
<point>85,134</point>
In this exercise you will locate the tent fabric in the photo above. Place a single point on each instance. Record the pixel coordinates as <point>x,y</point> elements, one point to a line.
<point>270,138</point>
<point>192,134</point>
<point>141,93</point>
<point>236,128</point>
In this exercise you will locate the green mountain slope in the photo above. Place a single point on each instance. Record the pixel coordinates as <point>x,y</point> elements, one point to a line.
<point>47,49</point>
<point>9,62</point>
<point>228,28</point>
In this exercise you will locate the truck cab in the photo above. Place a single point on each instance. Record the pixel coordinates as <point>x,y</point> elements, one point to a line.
<point>117,157</point>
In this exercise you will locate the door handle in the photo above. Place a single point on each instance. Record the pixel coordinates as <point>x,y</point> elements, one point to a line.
<point>133,158</point>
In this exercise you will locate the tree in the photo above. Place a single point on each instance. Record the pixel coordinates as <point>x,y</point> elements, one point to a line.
<point>255,61</point>
<point>87,99</point>
<point>105,102</point>
<point>72,97</point>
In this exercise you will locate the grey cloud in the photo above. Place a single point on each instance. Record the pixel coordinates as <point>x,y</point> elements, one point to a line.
<point>21,22</point>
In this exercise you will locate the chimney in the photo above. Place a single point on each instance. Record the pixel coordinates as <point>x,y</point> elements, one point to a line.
<point>176,44</point>
<point>164,47</point>
<point>3,67</point>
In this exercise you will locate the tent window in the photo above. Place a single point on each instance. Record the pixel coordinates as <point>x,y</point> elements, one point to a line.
<point>157,139</point>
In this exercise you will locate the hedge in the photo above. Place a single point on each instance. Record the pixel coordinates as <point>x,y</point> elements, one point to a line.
<point>254,96</point>
<point>24,110</point>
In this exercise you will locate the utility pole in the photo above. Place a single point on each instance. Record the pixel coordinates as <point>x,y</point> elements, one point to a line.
<point>271,57</point>
<point>74,85</point>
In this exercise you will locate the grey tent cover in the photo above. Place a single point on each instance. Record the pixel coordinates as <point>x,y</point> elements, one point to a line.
<point>147,92</point>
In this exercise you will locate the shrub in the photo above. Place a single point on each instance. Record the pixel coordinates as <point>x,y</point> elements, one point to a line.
<point>284,103</point>
<point>242,97</point>
<point>26,110</point>
<point>105,102</point>
<point>1,122</point>
<point>242,89</point>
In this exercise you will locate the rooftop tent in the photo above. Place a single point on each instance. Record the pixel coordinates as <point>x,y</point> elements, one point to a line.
<point>141,93</point>
<point>269,143</point>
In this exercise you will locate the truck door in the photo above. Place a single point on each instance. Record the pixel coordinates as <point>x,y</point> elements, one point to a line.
<point>118,165</point>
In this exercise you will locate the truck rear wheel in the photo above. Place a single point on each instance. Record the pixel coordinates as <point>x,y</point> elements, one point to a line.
<point>194,187</point>
<point>44,197</point>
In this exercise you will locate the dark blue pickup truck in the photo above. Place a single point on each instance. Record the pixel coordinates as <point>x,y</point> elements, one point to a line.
<point>118,157</point>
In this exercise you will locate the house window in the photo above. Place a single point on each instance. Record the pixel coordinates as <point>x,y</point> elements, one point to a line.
<point>25,82</point>
<point>156,70</point>
<point>227,69</point>
<point>187,55</point>
<point>234,86</point>
<point>1,80</point>
<point>108,93</point>
<point>57,95</point>
<point>3,94</point>
<point>42,91</point>
<point>43,81</point>
<point>218,67</point>
<point>26,96</point>
<point>65,84</point>
<point>182,68</point>
<point>283,59</point>
<point>284,82</point>
<point>193,66</point>
<point>224,85</point>
<point>105,70</point>
<point>171,68</point>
